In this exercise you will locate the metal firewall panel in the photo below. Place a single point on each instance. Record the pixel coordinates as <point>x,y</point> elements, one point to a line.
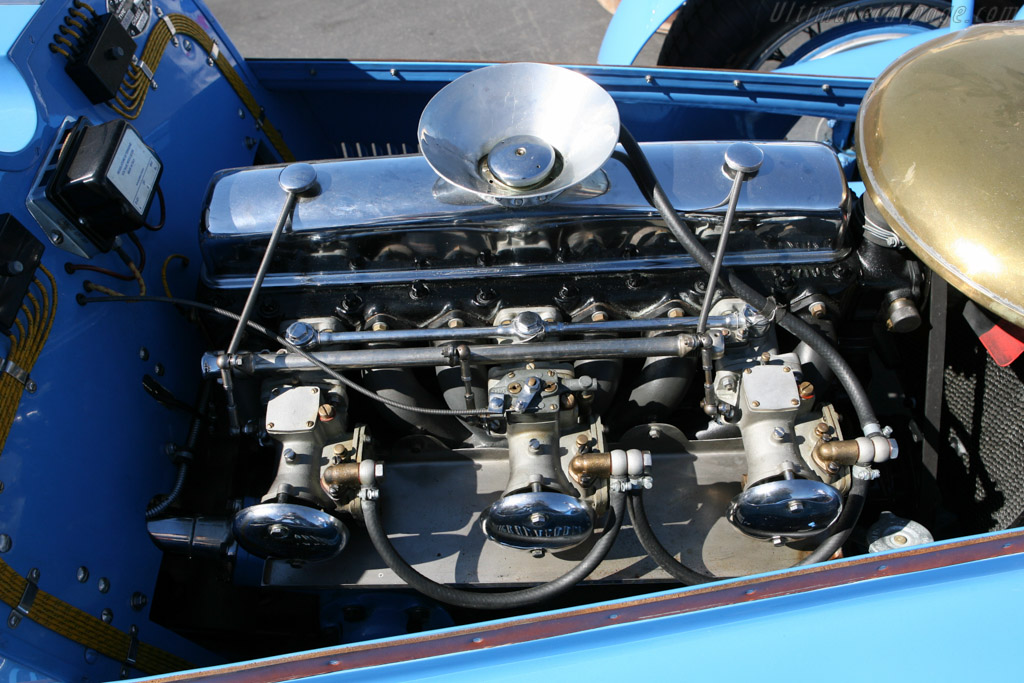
<point>86,452</point>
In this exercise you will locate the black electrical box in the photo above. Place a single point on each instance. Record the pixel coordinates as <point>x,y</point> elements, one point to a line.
<point>99,64</point>
<point>105,180</point>
<point>20,254</point>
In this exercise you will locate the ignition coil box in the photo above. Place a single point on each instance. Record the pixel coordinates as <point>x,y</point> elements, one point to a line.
<point>105,180</point>
<point>99,67</point>
<point>20,254</point>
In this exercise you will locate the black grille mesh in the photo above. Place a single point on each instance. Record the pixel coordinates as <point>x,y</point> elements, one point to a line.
<point>983,421</point>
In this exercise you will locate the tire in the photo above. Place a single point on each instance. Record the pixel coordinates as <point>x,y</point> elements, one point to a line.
<point>764,34</point>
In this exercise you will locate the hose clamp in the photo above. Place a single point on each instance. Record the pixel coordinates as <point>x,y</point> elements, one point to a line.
<point>773,311</point>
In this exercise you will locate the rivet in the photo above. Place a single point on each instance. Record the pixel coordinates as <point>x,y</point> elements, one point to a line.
<point>5,543</point>
<point>755,403</point>
<point>138,600</point>
<point>107,615</point>
<point>82,574</point>
<point>103,584</point>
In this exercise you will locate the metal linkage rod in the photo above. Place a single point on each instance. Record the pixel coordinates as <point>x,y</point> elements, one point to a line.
<point>522,329</point>
<point>432,356</point>
<point>295,179</point>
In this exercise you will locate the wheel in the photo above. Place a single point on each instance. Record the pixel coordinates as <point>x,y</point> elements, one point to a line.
<point>763,35</point>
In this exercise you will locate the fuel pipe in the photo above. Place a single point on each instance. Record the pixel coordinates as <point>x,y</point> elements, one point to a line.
<point>490,601</point>
<point>648,183</point>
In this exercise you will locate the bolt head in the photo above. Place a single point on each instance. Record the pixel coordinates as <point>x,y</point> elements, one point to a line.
<point>278,531</point>
<point>538,519</point>
<point>139,600</point>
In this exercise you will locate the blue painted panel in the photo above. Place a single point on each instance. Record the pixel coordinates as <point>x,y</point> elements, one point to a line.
<point>920,626</point>
<point>862,62</point>
<point>380,102</point>
<point>17,108</point>
<point>86,452</point>
<point>633,24</point>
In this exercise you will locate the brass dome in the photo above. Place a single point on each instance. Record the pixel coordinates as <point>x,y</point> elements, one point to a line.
<point>940,145</point>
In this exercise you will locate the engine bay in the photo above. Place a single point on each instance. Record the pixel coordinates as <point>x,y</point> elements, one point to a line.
<point>462,388</point>
<point>523,362</point>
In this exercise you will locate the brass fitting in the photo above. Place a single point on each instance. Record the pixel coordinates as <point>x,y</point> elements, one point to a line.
<point>586,467</point>
<point>829,454</point>
<point>345,475</point>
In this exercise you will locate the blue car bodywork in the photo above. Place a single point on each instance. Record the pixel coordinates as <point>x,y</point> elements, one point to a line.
<point>86,451</point>
<point>635,21</point>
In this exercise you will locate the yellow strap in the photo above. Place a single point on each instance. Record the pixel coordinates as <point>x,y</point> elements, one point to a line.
<point>58,616</point>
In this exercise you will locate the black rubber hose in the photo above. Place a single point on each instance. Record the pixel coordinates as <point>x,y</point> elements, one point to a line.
<point>491,601</point>
<point>190,444</point>
<point>179,484</point>
<point>680,572</point>
<point>843,526</point>
<point>645,534</point>
<point>652,189</point>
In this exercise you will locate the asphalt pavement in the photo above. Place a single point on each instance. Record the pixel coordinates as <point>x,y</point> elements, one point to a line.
<point>555,31</point>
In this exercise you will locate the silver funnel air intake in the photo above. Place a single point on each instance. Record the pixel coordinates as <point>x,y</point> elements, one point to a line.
<point>518,134</point>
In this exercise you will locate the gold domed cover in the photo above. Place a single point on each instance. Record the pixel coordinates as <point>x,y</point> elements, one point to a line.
<point>940,144</point>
